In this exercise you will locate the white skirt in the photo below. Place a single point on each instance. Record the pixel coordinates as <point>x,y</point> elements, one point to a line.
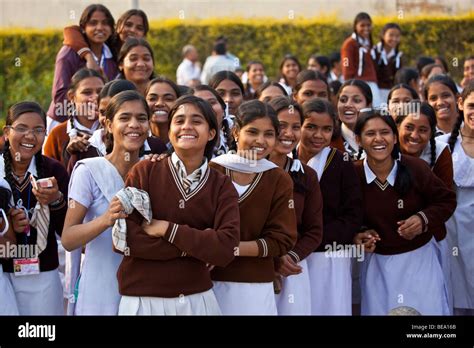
<point>331,283</point>
<point>414,279</point>
<point>295,296</point>
<point>203,303</point>
<point>445,261</point>
<point>39,294</point>
<point>236,298</point>
<point>8,304</point>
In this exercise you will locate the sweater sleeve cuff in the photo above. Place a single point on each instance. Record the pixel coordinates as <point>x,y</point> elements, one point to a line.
<point>170,234</point>
<point>83,52</point>
<point>424,221</point>
<point>262,247</point>
<point>294,256</point>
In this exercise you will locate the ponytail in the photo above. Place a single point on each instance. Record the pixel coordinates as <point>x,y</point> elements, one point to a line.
<point>455,133</point>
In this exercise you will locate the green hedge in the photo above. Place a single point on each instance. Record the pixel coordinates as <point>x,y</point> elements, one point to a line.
<point>27,56</point>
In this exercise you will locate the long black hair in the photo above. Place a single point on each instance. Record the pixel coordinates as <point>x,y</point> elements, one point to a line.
<point>14,112</point>
<point>85,18</point>
<point>455,133</point>
<point>426,110</point>
<point>403,181</point>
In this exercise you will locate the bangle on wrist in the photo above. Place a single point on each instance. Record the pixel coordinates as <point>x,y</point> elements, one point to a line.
<point>58,201</point>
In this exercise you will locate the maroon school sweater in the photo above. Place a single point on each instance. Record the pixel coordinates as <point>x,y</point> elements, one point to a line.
<point>204,229</point>
<point>342,201</point>
<point>309,212</point>
<point>267,215</point>
<point>383,209</point>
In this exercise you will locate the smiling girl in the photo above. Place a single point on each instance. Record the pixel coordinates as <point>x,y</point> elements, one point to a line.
<point>93,208</point>
<point>461,143</point>
<point>354,95</point>
<point>412,203</point>
<point>166,271</point>
<point>161,94</point>
<point>295,298</point>
<point>133,23</point>
<point>40,291</point>
<point>330,275</point>
<point>97,25</point>
<point>387,57</point>
<point>73,136</point>
<point>399,98</point>
<point>289,69</point>
<point>136,63</point>
<point>256,75</point>
<point>357,62</point>
<point>267,216</point>
<point>441,93</point>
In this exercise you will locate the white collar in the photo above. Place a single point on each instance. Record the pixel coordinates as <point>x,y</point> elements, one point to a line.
<point>241,164</point>
<point>31,167</point>
<point>78,126</point>
<point>370,176</point>
<point>349,137</point>
<point>318,162</point>
<point>361,40</point>
<point>178,162</point>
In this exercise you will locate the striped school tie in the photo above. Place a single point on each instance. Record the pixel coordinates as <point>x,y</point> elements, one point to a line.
<point>186,180</point>
<point>40,221</point>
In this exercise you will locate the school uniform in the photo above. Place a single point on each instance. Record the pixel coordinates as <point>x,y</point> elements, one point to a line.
<point>360,64</point>
<point>295,295</point>
<point>346,143</point>
<point>460,232</point>
<point>400,271</point>
<point>68,62</point>
<point>267,216</point>
<point>330,272</point>
<point>94,183</point>
<point>40,293</point>
<point>386,65</point>
<point>443,169</point>
<point>170,275</point>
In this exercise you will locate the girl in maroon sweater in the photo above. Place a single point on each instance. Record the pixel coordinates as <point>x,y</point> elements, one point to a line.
<point>295,298</point>
<point>267,214</point>
<point>356,56</point>
<point>329,271</point>
<point>195,222</point>
<point>404,205</point>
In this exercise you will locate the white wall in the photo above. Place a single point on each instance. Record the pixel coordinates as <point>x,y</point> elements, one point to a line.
<point>58,13</point>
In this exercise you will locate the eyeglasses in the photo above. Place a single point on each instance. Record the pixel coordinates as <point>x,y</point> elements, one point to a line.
<point>38,131</point>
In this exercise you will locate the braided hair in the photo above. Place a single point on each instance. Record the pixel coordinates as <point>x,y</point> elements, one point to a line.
<point>455,133</point>
<point>225,127</point>
<point>14,112</point>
